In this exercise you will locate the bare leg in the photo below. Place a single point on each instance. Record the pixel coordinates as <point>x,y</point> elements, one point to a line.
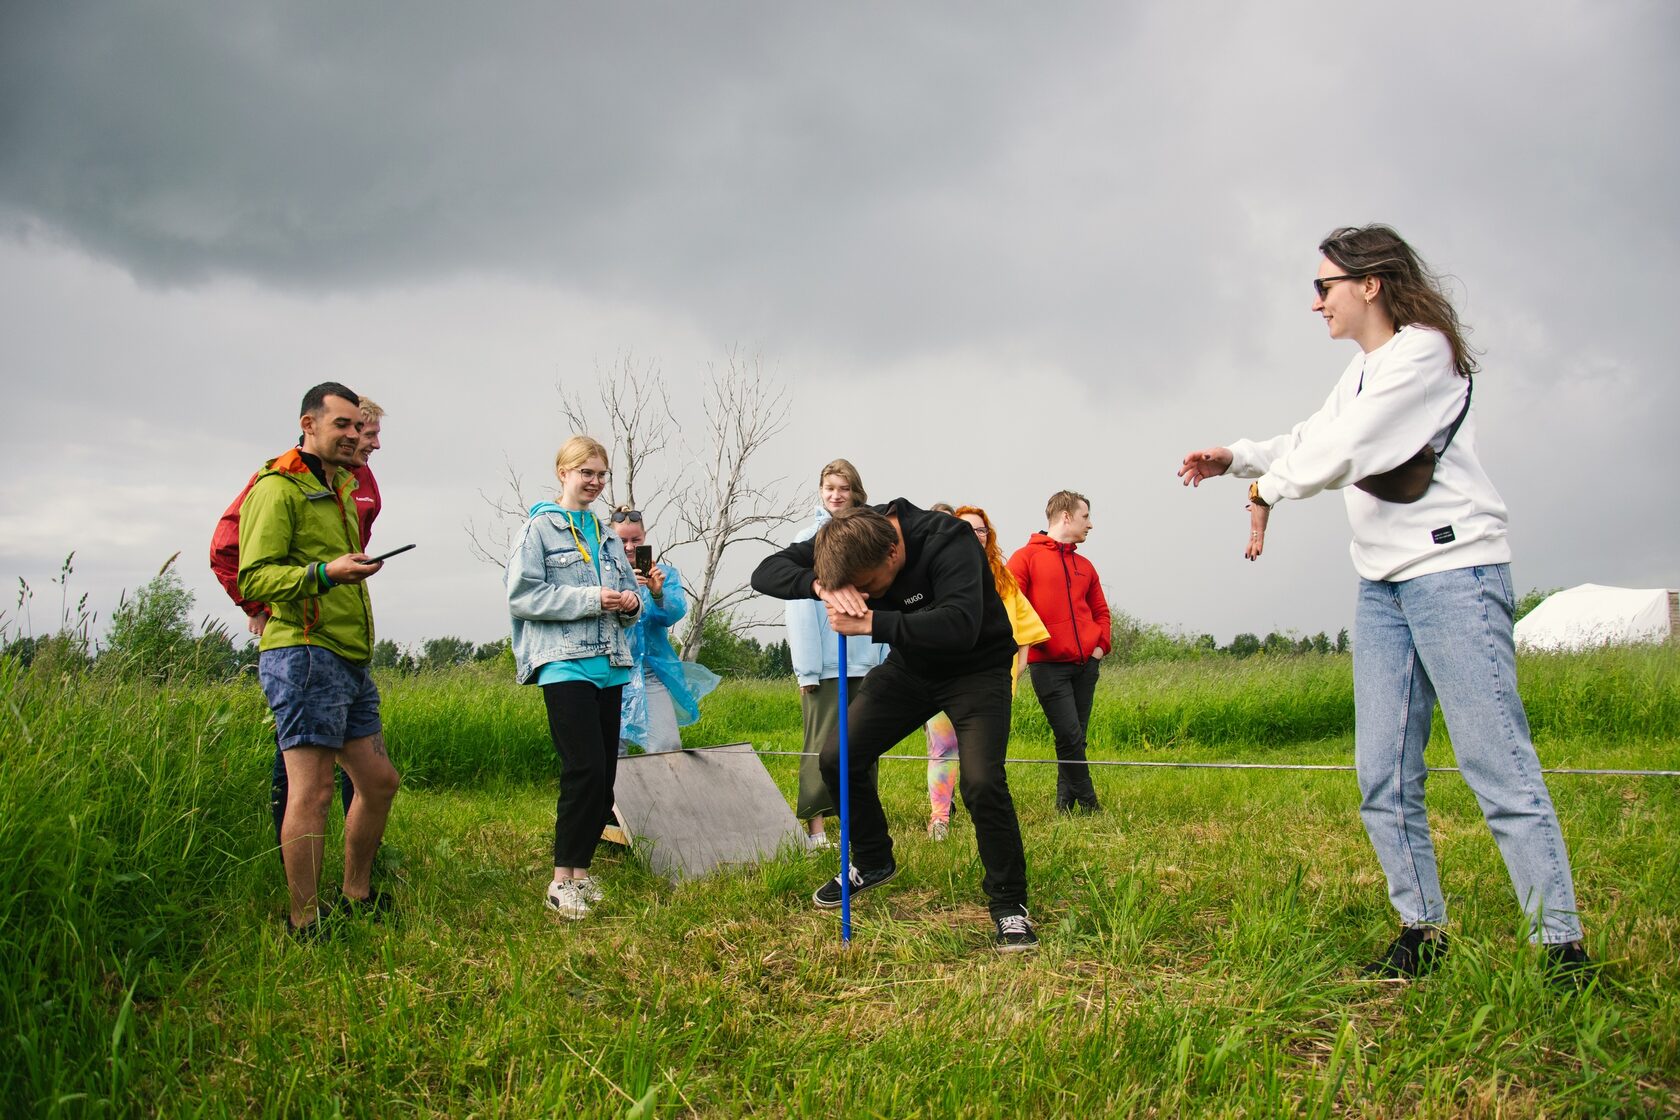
<point>376,781</point>
<point>309,776</point>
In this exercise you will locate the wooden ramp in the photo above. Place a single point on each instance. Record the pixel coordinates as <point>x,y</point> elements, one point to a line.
<point>696,810</point>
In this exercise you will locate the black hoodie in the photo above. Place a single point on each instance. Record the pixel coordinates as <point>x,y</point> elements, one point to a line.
<point>942,616</point>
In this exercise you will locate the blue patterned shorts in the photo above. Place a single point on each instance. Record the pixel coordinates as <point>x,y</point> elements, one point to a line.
<point>319,698</point>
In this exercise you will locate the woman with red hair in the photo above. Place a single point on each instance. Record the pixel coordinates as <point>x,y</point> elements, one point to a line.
<point>1029,630</point>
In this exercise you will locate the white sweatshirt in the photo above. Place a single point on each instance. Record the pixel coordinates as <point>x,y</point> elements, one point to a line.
<point>1412,395</point>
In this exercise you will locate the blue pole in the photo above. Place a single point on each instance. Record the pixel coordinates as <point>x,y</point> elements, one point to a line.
<point>845,804</point>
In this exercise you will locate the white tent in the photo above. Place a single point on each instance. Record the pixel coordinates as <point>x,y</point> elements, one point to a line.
<point>1589,616</point>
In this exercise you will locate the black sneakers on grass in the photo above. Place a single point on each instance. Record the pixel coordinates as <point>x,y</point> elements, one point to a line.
<point>1414,953</point>
<point>1015,933</point>
<point>1568,966</point>
<point>828,895</point>
<point>376,907</point>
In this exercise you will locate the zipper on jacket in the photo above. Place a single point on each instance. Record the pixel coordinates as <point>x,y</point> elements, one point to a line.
<point>1073,619</point>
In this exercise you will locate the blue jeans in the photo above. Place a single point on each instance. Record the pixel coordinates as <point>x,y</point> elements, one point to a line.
<point>1447,636</point>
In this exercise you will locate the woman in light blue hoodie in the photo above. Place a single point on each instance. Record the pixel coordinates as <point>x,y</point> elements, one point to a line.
<point>572,594</point>
<point>816,657</point>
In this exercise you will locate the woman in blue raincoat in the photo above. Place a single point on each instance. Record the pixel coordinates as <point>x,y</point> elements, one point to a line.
<point>664,691</point>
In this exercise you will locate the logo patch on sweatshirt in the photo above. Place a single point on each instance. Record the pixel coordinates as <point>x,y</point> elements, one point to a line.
<point>1443,535</point>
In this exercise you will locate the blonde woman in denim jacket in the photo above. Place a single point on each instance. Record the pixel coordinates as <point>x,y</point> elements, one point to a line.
<point>572,595</point>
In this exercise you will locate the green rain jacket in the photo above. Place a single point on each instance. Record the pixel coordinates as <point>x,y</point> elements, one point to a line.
<point>289,523</point>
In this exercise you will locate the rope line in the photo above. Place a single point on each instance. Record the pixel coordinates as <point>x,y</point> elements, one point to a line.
<point>740,748</point>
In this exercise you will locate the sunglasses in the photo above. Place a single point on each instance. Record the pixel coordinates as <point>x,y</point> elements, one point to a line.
<point>634,515</point>
<point>1322,284</point>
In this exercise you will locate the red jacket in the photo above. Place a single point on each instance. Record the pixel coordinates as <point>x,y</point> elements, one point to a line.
<point>1063,588</point>
<point>224,542</point>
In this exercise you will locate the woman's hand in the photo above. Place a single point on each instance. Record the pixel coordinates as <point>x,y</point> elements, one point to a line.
<point>1258,515</point>
<point>1210,462</point>
<point>620,602</point>
<point>653,581</point>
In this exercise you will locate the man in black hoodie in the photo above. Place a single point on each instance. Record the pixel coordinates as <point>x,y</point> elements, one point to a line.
<point>917,581</point>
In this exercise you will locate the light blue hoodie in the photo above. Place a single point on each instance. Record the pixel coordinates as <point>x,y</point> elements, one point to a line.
<point>815,649</point>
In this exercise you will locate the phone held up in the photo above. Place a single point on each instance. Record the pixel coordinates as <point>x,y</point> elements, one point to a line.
<point>644,558</point>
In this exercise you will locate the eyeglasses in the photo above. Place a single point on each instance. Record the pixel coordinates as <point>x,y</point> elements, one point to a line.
<point>979,530</point>
<point>590,476</point>
<point>1322,284</point>
<point>634,515</point>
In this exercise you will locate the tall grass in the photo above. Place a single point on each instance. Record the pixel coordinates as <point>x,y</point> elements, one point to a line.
<point>1196,935</point>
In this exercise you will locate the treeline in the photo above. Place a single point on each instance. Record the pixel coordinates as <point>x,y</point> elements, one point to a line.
<point>725,649</point>
<point>1137,643</point>
<point>152,637</point>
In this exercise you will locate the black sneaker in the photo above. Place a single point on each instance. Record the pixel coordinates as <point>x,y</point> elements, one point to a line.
<point>310,933</point>
<point>828,895</point>
<point>1414,953</point>
<point>376,907</point>
<point>1014,931</point>
<point>1568,966</point>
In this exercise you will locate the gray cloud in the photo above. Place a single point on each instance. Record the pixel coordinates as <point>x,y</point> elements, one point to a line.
<point>1114,204</point>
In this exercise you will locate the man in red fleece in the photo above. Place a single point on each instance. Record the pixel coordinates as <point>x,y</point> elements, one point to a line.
<point>1064,589</point>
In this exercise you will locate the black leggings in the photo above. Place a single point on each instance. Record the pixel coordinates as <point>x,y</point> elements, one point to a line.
<point>583,722</point>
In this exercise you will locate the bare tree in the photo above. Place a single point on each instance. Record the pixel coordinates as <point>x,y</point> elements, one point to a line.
<point>494,541</point>
<point>724,507</point>
<point>632,416</point>
<point>657,468</point>
<point>638,427</point>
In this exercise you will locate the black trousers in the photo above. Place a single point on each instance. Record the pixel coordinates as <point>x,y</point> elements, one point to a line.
<point>583,722</point>
<point>893,702</point>
<point>279,787</point>
<point>1065,691</point>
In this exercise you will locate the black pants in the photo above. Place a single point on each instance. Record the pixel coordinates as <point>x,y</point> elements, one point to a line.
<point>583,722</point>
<point>1065,690</point>
<point>892,703</point>
<point>279,787</point>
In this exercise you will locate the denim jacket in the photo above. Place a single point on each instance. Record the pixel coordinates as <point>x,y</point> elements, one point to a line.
<point>554,596</point>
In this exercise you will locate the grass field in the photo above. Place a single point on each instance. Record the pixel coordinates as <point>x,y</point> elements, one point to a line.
<point>1200,937</point>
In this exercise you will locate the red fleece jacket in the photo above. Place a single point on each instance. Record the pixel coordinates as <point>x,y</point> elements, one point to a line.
<point>1064,589</point>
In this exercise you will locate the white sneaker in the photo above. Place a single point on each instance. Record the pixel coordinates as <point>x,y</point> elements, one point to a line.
<point>817,841</point>
<point>567,900</point>
<point>590,888</point>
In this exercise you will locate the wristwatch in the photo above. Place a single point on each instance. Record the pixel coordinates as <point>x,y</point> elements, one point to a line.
<point>1254,496</point>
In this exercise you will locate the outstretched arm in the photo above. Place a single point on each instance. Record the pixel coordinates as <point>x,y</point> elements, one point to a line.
<point>1210,462</point>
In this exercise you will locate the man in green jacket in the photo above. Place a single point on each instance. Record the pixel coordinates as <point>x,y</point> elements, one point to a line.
<point>300,552</point>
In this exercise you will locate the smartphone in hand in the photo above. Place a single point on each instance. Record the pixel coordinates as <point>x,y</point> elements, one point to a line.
<point>644,558</point>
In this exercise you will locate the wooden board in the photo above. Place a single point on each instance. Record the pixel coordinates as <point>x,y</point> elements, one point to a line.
<point>697,810</point>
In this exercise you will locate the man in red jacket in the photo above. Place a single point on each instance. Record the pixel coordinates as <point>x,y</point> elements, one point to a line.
<point>224,562</point>
<point>1064,589</point>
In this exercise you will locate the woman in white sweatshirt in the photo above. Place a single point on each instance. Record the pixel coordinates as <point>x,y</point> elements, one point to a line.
<point>1433,620</point>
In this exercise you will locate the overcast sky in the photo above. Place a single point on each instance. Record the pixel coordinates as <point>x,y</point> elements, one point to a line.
<point>991,250</point>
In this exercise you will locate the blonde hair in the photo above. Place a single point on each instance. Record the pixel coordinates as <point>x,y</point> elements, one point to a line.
<point>577,451</point>
<point>1064,501</point>
<point>371,409</point>
<point>845,470</point>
